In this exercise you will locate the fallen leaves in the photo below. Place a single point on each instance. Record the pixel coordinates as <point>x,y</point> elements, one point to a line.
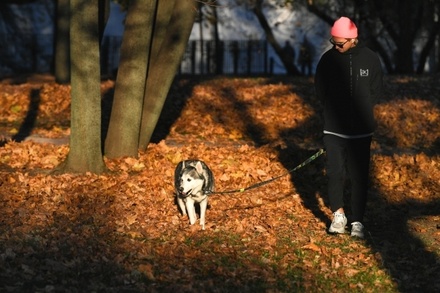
<point>121,231</point>
<point>312,246</point>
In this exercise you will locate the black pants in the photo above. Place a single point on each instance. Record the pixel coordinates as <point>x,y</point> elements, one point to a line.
<point>348,159</point>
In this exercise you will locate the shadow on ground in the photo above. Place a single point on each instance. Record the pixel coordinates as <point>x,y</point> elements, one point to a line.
<point>402,253</point>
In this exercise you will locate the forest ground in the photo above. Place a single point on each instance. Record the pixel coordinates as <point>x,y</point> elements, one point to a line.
<point>122,232</point>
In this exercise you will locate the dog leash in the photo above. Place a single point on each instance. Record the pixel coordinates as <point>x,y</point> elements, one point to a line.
<point>259,184</point>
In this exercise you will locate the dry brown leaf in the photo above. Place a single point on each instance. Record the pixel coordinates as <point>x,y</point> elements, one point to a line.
<point>125,222</point>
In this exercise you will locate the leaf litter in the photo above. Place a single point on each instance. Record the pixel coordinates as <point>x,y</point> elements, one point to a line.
<point>121,231</point>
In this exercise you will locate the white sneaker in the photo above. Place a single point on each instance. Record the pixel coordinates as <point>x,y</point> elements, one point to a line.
<point>338,224</point>
<point>357,230</point>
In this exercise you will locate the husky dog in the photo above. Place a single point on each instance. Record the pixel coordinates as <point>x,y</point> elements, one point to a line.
<point>193,182</point>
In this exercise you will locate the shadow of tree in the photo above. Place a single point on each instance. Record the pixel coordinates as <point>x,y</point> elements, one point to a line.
<point>403,254</point>
<point>387,222</point>
<point>81,247</point>
<point>412,264</point>
<point>29,121</point>
<point>179,93</point>
<point>62,256</point>
<point>75,236</point>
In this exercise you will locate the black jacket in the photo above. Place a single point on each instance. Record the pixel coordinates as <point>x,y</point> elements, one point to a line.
<point>349,84</point>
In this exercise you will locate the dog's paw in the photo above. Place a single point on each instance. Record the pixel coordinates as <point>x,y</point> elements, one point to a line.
<point>192,229</point>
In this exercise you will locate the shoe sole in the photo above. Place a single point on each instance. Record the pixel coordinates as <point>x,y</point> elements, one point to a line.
<point>337,231</point>
<point>356,235</point>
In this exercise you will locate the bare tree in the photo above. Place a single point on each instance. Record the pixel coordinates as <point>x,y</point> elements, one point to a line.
<point>392,28</point>
<point>155,38</point>
<point>169,44</point>
<point>284,57</point>
<point>173,20</point>
<point>123,132</point>
<point>85,135</point>
<point>62,42</point>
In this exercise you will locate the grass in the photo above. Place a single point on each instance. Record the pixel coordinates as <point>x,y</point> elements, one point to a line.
<point>121,232</point>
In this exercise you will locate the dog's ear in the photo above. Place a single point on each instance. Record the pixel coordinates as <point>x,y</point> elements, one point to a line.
<point>183,165</point>
<point>199,167</point>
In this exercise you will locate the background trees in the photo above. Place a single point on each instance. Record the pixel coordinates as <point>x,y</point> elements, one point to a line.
<point>144,89</point>
<point>62,42</point>
<point>85,134</point>
<point>404,33</point>
<point>154,40</point>
<point>395,29</point>
<point>123,133</point>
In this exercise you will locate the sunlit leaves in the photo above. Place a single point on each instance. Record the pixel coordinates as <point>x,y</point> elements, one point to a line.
<point>122,230</point>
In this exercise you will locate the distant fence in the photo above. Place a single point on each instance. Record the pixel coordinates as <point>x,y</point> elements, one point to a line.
<point>34,54</point>
<point>227,57</point>
<point>253,57</point>
<point>25,54</point>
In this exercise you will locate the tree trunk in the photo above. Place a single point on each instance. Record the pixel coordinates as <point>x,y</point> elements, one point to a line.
<point>258,11</point>
<point>123,133</point>
<point>428,47</point>
<point>61,42</point>
<point>218,44</point>
<point>165,61</point>
<point>410,15</point>
<point>104,14</point>
<point>202,51</point>
<point>433,32</point>
<point>85,138</point>
<point>392,24</point>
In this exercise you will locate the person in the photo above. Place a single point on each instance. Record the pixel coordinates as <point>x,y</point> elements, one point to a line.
<point>305,57</point>
<point>348,80</point>
<point>289,52</point>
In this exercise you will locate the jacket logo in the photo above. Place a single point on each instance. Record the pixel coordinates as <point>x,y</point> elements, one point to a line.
<point>363,72</point>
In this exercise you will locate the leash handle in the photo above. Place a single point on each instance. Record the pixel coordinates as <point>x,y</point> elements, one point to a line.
<point>259,184</point>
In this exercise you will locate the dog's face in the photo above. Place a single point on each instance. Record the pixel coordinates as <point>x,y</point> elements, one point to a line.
<point>191,182</point>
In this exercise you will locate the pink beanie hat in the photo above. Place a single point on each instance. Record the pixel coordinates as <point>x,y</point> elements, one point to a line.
<point>344,28</point>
